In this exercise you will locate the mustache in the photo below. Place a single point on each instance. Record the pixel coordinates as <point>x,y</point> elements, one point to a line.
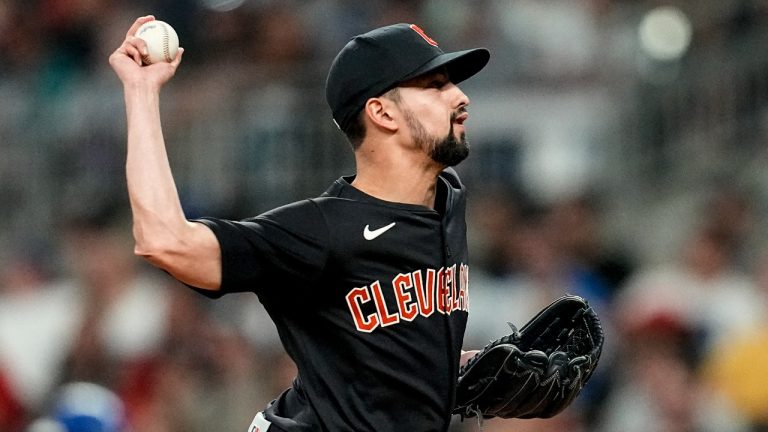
<point>458,112</point>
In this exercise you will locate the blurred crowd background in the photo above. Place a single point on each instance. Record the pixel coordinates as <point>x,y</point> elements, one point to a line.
<point>618,153</point>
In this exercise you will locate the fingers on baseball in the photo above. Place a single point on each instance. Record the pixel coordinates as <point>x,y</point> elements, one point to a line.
<point>177,60</point>
<point>133,52</point>
<point>129,50</point>
<point>125,50</point>
<point>136,24</point>
<point>140,45</point>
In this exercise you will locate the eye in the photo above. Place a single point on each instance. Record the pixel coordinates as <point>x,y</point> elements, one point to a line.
<point>437,83</point>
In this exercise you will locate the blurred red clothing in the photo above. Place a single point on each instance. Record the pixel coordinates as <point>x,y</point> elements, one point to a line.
<point>12,413</point>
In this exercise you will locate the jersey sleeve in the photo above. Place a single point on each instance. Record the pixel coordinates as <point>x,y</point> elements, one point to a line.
<point>274,254</point>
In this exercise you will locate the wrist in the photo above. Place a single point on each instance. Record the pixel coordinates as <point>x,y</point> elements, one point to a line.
<point>141,96</point>
<point>140,87</point>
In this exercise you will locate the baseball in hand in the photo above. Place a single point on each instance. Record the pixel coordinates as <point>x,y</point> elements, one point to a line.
<point>161,39</point>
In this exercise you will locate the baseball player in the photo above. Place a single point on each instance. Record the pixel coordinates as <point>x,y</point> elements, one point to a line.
<point>367,284</point>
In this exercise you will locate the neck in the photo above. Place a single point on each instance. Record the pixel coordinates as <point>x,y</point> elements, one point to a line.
<point>398,187</point>
<point>397,175</point>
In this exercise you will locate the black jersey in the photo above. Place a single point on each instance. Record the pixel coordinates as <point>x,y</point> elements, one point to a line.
<point>370,300</point>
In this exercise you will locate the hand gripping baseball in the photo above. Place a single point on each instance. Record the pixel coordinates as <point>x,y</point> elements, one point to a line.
<point>127,61</point>
<point>537,371</point>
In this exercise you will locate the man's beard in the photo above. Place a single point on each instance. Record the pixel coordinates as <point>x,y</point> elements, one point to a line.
<point>449,150</point>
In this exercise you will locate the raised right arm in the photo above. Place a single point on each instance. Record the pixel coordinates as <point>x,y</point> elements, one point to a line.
<point>189,251</point>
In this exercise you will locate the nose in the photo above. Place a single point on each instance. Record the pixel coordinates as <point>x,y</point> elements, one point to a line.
<point>458,98</point>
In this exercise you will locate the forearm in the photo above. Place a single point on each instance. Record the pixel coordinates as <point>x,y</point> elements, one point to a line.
<point>188,251</point>
<point>158,218</point>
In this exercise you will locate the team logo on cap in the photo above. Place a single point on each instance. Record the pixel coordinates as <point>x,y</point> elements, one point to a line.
<point>421,33</point>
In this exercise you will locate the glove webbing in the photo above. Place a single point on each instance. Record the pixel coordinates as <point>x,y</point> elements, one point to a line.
<point>513,338</point>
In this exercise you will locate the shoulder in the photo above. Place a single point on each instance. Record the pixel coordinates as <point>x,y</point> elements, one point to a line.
<point>296,210</point>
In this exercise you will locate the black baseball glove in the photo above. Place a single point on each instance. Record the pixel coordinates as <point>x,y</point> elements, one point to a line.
<point>536,371</point>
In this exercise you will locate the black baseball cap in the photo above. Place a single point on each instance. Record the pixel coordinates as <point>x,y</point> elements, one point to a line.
<point>374,62</point>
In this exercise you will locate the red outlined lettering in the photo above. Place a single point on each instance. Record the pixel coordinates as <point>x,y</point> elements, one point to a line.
<point>442,292</point>
<point>421,292</point>
<point>407,307</point>
<point>355,299</point>
<point>464,291</point>
<point>425,291</point>
<point>455,285</point>
<point>386,318</point>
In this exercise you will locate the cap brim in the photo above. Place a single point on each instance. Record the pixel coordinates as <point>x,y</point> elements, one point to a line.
<point>460,64</point>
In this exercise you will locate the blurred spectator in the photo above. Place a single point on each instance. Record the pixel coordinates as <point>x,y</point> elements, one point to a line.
<point>24,278</point>
<point>123,307</point>
<point>730,211</point>
<point>12,412</point>
<point>577,223</point>
<point>38,320</point>
<point>736,368</point>
<point>534,261</point>
<point>83,407</point>
<point>495,216</point>
<point>204,376</point>
<point>703,289</point>
<point>656,387</point>
<point>150,339</point>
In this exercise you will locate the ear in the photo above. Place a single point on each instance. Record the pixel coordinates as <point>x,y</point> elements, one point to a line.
<point>382,113</point>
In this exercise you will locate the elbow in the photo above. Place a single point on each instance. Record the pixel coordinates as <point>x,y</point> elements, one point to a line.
<point>156,252</point>
<point>143,250</point>
<point>146,252</point>
<point>153,245</point>
<point>191,254</point>
<point>179,259</point>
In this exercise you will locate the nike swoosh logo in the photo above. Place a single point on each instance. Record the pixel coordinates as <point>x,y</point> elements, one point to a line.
<point>370,235</point>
